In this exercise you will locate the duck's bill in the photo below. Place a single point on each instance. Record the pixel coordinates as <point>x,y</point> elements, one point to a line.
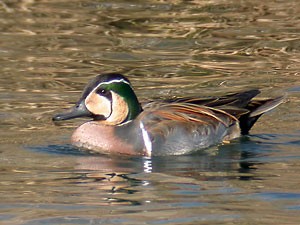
<point>77,111</point>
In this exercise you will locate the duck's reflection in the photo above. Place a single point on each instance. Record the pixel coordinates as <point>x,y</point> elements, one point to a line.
<point>127,180</point>
<point>239,157</point>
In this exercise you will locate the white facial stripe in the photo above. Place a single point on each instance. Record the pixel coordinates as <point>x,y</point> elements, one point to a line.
<point>116,81</point>
<point>111,82</point>
<point>147,141</point>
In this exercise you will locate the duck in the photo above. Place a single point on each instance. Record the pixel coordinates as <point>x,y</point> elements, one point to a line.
<point>120,124</point>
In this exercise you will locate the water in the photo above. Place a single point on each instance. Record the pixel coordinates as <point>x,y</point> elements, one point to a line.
<point>48,51</point>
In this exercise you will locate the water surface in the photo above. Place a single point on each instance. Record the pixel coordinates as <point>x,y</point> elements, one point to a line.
<point>50,49</point>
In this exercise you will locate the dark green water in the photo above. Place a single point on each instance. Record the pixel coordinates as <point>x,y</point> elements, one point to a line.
<point>50,49</point>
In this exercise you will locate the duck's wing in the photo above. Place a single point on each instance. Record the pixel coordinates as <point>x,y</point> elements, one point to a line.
<point>242,106</point>
<point>179,128</point>
<point>163,117</point>
<point>239,106</point>
<point>239,100</point>
<point>234,104</point>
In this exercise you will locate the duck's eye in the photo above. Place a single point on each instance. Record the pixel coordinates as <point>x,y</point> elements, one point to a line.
<point>104,92</point>
<point>101,91</point>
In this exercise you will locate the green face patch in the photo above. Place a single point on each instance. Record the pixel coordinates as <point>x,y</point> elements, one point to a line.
<point>124,90</point>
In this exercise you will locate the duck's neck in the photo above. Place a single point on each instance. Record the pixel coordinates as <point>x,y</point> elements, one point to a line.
<point>134,107</point>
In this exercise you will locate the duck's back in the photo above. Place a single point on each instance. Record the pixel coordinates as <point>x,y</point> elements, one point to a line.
<point>181,126</point>
<point>176,129</point>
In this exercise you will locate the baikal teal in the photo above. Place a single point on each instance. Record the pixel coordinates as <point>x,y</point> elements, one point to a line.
<point>121,125</point>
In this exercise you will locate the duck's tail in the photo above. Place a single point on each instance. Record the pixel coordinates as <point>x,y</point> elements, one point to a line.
<point>257,108</point>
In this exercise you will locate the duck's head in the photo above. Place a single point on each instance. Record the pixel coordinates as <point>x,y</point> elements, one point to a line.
<point>108,98</point>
